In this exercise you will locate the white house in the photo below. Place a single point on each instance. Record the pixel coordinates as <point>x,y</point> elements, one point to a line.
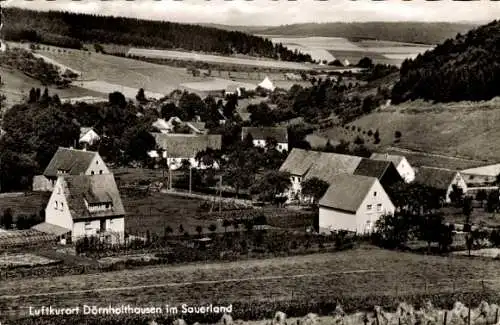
<point>178,147</point>
<point>261,135</point>
<point>88,136</point>
<point>87,206</point>
<point>267,84</point>
<point>483,176</point>
<point>69,161</point>
<point>441,179</point>
<point>400,162</point>
<point>353,203</point>
<point>304,164</point>
<point>233,90</point>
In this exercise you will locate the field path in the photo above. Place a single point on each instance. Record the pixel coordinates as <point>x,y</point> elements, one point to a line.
<point>182,284</point>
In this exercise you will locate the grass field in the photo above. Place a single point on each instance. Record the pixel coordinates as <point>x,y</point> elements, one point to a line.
<point>26,260</point>
<point>193,56</point>
<point>359,272</point>
<point>122,71</point>
<point>17,85</point>
<point>456,129</point>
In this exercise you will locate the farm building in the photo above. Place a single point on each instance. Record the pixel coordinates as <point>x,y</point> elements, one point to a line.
<point>69,161</point>
<point>88,136</point>
<point>261,136</point>
<point>353,203</point>
<point>215,87</point>
<point>178,147</point>
<point>441,179</point>
<point>86,205</point>
<point>481,176</point>
<point>402,165</point>
<point>384,171</point>
<point>305,164</point>
<point>267,84</point>
<point>169,126</point>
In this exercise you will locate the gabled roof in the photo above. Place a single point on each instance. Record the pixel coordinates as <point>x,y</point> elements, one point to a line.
<point>299,161</point>
<point>395,159</point>
<point>92,189</point>
<point>347,192</point>
<point>373,168</point>
<point>85,130</point>
<point>439,178</point>
<point>186,145</point>
<point>328,165</point>
<point>263,133</point>
<point>267,84</point>
<point>489,170</point>
<point>71,161</point>
<point>161,124</point>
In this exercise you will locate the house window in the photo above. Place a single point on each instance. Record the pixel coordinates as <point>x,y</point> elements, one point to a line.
<point>279,146</point>
<point>369,207</point>
<point>374,193</point>
<point>379,207</point>
<point>55,204</point>
<point>100,172</point>
<point>97,162</point>
<point>92,173</point>
<point>62,206</point>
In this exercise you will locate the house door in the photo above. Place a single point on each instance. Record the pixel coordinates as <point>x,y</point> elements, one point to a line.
<point>103,225</point>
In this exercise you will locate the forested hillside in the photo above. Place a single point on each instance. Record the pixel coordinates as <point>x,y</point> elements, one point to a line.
<point>464,68</point>
<point>408,32</point>
<point>71,30</point>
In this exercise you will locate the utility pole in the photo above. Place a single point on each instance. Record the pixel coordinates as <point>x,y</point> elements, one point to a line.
<point>170,178</point>
<point>220,193</point>
<point>190,178</point>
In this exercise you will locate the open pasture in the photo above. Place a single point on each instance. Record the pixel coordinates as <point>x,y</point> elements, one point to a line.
<point>462,129</point>
<point>193,56</point>
<point>355,273</point>
<point>16,87</point>
<point>121,71</point>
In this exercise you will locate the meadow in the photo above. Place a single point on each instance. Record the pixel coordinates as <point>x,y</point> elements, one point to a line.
<point>462,129</point>
<point>193,56</point>
<point>362,272</point>
<point>109,72</point>
<point>16,87</point>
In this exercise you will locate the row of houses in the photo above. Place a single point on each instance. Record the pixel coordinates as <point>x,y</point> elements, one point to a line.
<point>357,195</point>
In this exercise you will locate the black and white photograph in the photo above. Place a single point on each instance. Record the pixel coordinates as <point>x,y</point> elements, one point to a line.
<point>211,162</point>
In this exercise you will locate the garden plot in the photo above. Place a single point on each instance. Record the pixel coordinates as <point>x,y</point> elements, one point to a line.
<point>24,260</point>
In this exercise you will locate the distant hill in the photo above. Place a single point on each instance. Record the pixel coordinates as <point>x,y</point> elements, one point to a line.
<point>407,32</point>
<point>464,68</point>
<point>71,30</point>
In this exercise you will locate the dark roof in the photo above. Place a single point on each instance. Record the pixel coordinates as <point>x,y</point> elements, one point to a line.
<point>299,161</point>
<point>92,189</point>
<point>263,133</point>
<point>328,165</point>
<point>71,161</point>
<point>395,159</point>
<point>186,145</point>
<point>347,192</point>
<point>439,178</point>
<point>372,168</point>
<point>51,229</point>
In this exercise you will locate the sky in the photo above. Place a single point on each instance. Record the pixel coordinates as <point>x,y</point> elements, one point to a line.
<point>280,12</point>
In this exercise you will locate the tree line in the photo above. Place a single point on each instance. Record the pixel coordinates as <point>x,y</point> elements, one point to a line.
<point>72,30</point>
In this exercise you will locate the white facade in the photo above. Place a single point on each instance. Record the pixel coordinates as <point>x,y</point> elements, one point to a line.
<point>58,213</point>
<point>280,146</point>
<point>90,137</point>
<point>294,191</point>
<point>375,204</point>
<point>406,171</point>
<point>459,181</point>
